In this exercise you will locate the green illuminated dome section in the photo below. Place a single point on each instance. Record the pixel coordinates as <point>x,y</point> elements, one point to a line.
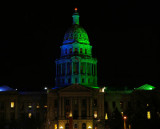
<point>76,34</point>
<point>76,64</point>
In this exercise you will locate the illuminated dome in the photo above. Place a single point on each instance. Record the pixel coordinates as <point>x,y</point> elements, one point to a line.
<point>76,34</point>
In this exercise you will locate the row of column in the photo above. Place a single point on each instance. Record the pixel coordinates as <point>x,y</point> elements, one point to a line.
<point>62,106</point>
<point>76,68</point>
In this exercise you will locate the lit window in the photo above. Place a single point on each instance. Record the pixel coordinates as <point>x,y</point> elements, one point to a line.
<point>45,106</point>
<point>12,105</point>
<point>106,117</point>
<point>55,126</point>
<point>30,106</point>
<point>70,114</point>
<point>147,105</point>
<point>29,115</point>
<point>37,106</point>
<point>148,115</point>
<point>102,89</point>
<point>95,114</point>
<point>122,114</point>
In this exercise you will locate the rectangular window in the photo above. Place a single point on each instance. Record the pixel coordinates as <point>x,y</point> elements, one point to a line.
<point>55,103</point>
<point>114,104</point>
<point>55,126</point>
<point>1,105</point>
<point>95,114</point>
<point>12,105</point>
<point>82,80</point>
<point>148,115</point>
<point>106,104</point>
<point>129,104</point>
<point>95,102</point>
<point>67,102</point>
<point>29,105</point>
<point>29,115</point>
<point>12,116</point>
<point>76,80</point>
<point>122,114</point>
<point>45,106</point>
<point>106,117</point>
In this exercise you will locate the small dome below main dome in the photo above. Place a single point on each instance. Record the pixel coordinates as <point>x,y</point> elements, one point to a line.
<point>76,34</point>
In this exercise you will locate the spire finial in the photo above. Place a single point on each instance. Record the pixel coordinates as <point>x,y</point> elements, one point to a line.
<point>75,9</point>
<point>76,16</point>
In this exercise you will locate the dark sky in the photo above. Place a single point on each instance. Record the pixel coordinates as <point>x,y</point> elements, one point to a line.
<point>124,36</point>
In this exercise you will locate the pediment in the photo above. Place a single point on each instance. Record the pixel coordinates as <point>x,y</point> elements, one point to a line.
<point>75,89</point>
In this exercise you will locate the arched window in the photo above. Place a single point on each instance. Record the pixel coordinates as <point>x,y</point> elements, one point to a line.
<point>70,50</point>
<point>81,50</point>
<point>66,51</point>
<point>84,126</point>
<point>76,50</point>
<point>85,51</point>
<point>75,126</point>
<point>67,126</point>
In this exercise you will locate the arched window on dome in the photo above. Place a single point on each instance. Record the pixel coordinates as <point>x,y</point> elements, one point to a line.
<point>80,50</point>
<point>70,50</point>
<point>85,51</point>
<point>76,51</point>
<point>89,80</point>
<point>80,36</point>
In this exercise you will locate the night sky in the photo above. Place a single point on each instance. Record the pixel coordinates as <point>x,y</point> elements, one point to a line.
<point>124,35</point>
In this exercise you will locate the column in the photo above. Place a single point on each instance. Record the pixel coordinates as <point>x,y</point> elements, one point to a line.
<point>79,108</point>
<point>59,107</point>
<point>91,69</point>
<point>66,70</point>
<point>61,69</point>
<point>72,67</point>
<point>86,80</point>
<point>96,69</point>
<point>56,69</point>
<point>71,104</point>
<point>62,107</point>
<point>88,108</point>
<point>91,107</point>
<point>79,70</point>
<point>79,67</point>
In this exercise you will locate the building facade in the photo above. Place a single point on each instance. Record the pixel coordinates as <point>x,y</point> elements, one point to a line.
<point>76,101</point>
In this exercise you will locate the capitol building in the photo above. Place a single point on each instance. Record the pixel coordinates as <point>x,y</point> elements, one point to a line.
<point>76,101</point>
